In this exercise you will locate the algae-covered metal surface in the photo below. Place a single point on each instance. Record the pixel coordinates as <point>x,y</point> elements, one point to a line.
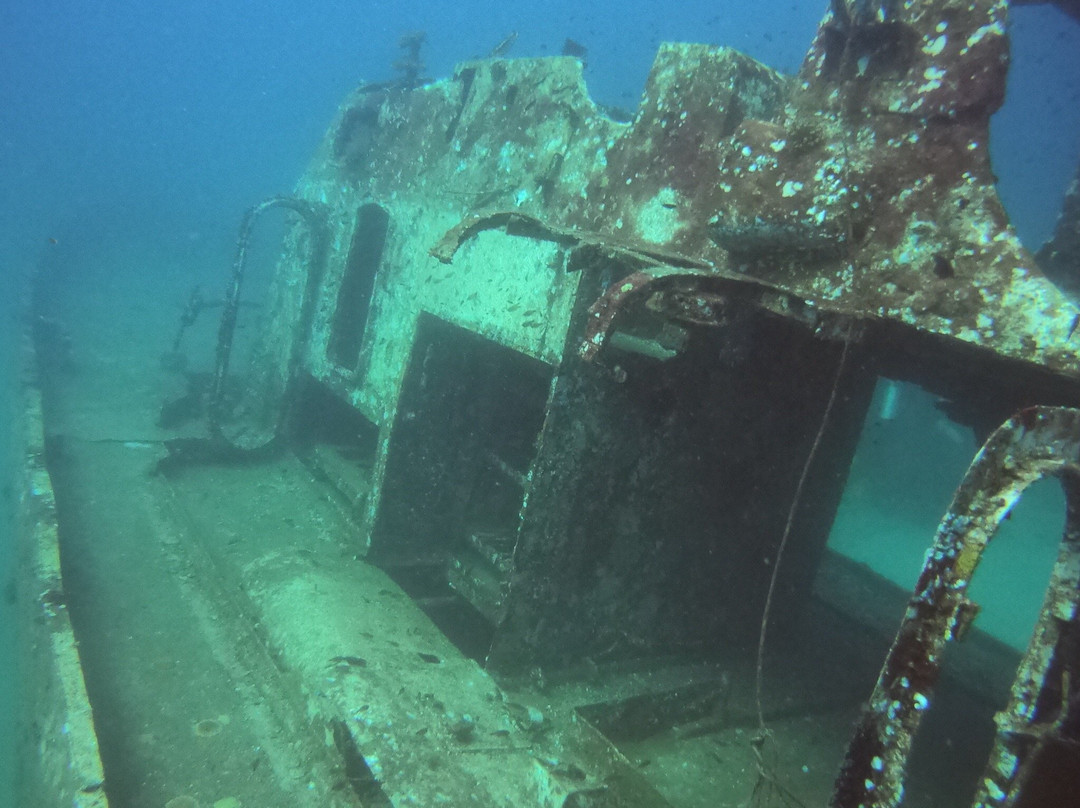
<point>60,764</point>
<point>876,191</point>
<point>863,185</point>
<point>854,201</point>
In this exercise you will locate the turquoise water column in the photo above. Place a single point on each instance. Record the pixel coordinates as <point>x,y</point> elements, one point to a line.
<point>10,466</point>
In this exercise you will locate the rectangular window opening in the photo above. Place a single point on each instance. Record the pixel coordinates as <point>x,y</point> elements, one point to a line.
<point>357,286</point>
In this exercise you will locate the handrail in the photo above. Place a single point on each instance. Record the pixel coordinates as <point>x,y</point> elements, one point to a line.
<point>310,212</point>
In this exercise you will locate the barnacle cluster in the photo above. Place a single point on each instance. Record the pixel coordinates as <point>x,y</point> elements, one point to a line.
<point>805,134</point>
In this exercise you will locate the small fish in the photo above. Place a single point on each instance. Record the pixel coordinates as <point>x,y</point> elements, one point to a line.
<point>575,49</point>
<point>351,661</point>
<point>503,47</point>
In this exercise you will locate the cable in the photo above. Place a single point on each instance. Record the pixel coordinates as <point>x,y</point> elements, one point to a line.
<point>787,532</point>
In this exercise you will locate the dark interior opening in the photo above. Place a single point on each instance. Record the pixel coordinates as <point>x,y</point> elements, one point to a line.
<point>661,495</point>
<point>357,284</point>
<point>468,418</point>
<point>335,440</point>
<point>459,621</point>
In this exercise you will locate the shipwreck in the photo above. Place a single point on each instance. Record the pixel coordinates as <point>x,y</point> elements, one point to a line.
<point>522,494</point>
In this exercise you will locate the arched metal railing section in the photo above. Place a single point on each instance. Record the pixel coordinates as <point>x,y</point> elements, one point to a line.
<point>1035,443</point>
<point>315,220</point>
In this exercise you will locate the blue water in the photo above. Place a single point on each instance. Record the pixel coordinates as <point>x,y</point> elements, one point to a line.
<point>136,120</point>
<point>147,128</point>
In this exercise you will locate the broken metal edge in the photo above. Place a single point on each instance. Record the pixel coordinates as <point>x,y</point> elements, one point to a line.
<point>514,222</point>
<point>59,763</point>
<point>634,288</point>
